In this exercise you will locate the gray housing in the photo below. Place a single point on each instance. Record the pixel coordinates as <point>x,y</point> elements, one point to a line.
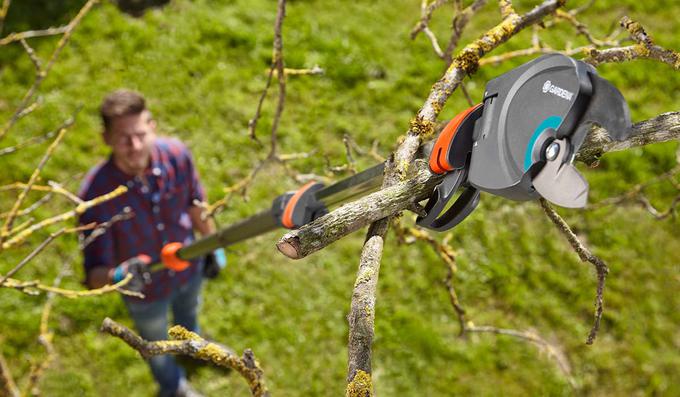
<point>553,96</point>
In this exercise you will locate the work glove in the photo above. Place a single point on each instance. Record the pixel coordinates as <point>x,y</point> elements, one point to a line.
<point>214,262</point>
<point>138,266</point>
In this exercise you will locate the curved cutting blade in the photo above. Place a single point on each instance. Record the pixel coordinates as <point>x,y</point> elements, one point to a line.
<point>559,182</point>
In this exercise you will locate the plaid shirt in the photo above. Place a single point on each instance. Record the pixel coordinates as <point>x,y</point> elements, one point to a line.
<point>160,213</point>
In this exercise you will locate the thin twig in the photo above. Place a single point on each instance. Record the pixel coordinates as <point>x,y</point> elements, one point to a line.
<point>314,71</point>
<point>34,287</point>
<point>348,153</point>
<point>458,24</point>
<point>80,209</point>
<point>252,123</point>
<point>7,385</point>
<point>32,180</point>
<point>30,208</point>
<point>466,94</point>
<point>279,65</point>
<point>42,74</point>
<point>37,63</point>
<point>32,255</point>
<point>51,187</point>
<point>3,13</point>
<point>528,336</point>
<point>45,337</point>
<point>636,194</point>
<point>101,228</point>
<point>583,29</point>
<point>13,37</point>
<point>241,186</point>
<point>60,190</point>
<point>506,7</point>
<point>586,256</point>
<point>643,49</point>
<point>30,141</point>
<point>447,254</point>
<point>495,60</point>
<point>426,11</point>
<point>435,43</point>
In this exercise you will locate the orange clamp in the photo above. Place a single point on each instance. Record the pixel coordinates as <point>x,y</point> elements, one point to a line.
<point>287,218</point>
<point>171,260</point>
<point>439,163</point>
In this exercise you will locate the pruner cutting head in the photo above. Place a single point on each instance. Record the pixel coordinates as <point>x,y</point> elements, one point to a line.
<point>520,142</point>
<point>451,155</point>
<point>535,119</point>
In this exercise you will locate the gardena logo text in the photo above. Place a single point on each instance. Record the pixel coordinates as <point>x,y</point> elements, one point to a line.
<point>548,86</point>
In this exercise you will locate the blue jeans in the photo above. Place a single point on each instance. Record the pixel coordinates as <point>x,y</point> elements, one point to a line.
<point>151,320</point>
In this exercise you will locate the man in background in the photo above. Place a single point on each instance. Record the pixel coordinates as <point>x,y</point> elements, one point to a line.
<point>163,187</point>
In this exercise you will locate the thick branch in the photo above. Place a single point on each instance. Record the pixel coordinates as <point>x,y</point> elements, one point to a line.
<point>362,312</point>
<point>190,344</point>
<point>353,216</point>
<point>662,128</point>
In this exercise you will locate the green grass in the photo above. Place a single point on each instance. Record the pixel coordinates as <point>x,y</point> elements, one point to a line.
<point>202,64</point>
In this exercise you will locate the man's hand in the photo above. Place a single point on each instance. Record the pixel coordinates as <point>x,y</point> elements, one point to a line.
<point>138,267</point>
<point>214,262</point>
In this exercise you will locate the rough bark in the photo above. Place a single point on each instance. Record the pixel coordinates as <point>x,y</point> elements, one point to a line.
<point>362,312</point>
<point>662,128</point>
<point>191,344</point>
<point>355,215</point>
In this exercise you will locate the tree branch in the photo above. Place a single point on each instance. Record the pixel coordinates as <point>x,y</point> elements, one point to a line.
<point>45,338</point>
<point>42,73</point>
<point>7,385</point>
<point>81,208</point>
<point>7,226</point>
<point>458,24</point>
<point>645,48</point>
<point>362,312</point>
<point>586,256</point>
<point>662,128</point>
<point>34,288</point>
<point>12,37</point>
<point>353,216</point>
<point>3,13</point>
<point>191,344</point>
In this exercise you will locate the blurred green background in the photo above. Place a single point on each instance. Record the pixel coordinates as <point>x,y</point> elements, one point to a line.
<point>202,64</point>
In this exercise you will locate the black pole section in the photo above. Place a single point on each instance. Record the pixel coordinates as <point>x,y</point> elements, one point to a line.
<point>250,227</point>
